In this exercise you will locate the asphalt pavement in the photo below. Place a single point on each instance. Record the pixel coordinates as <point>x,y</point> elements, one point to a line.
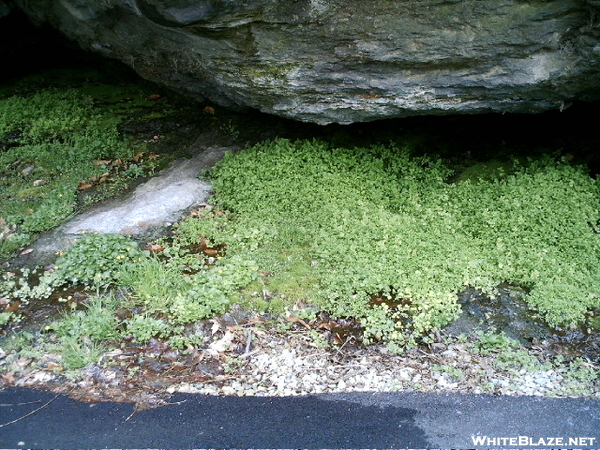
<point>37,419</point>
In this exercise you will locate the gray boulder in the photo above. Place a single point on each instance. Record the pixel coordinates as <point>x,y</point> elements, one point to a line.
<point>347,61</point>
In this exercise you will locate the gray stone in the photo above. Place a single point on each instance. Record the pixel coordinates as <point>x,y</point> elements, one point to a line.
<point>151,208</point>
<point>345,61</point>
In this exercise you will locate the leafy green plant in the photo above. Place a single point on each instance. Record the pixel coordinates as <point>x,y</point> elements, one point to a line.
<point>144,327</point>
<point>450,370</point>
<point>82,335</point>
<point>48,142</point>
<point>97,321</point>
<point>379,222</point>
<point>581,377</point>
<point>154,283</point>
<point>77,353</point>
<point>517,359</point>
<point>488,343</point>
<point>211,291</point>
<point>56,128</point>
<point>95,260</point>
<point>6,317</point>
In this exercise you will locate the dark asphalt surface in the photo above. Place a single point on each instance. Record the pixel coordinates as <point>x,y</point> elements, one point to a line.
<point>357,420</point>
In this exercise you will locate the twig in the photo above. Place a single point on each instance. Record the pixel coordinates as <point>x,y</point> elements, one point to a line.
<point>245,355</point>
<point>429,355</point>
<point>20,404</point>
<point>248,342</point>
<point>339,350</point>
<point>247,352</point>
<point>134,411</point>
<point>31,413</point>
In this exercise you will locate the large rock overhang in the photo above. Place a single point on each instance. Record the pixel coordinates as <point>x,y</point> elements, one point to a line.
<point>344,61</point>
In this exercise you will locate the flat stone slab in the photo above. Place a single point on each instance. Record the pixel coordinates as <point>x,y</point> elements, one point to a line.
<point>151,207</point>
<point>156,203</point>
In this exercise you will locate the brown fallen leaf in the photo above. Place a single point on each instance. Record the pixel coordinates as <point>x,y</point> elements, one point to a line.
<point>82,186</point>
<point>202,243</point>
<point>8,378</point>
<point>153,97</point>
<point>209,109</point>
<point>12,307</point>
<point>26,251</point>
<point>137,157</point>
<point>222,344</point>
<point>297,319</point>
<point>55,366</point>
<point>153,156</point>
<point>102,162</point>
<point>117,162</point>
<point>154,248</point>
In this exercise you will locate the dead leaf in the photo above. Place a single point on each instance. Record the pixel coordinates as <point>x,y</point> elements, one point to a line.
<point>14,306</point>
<point>102,162</point>
<point>222,344</point>
<point>26,251</point>
<point>23,362</point>
<point>202,243</point>
<point>297,319</point>
<point>154,248</point>
<point>209,109</point>
<point>82,186</point>
<point>29,210</point>
<point>216,326</point>
<point>137,157</point>
<point>153,97</point>
<point>153,156</point>
<point>54,366</point>
<point>9,378</point>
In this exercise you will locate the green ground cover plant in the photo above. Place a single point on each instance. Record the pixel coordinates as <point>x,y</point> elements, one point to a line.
<point>160,296</point>
<point>379,234</point>
<point>56,141</point>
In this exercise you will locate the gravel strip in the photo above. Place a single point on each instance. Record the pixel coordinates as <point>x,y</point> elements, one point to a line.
<point>249,361</point>
<point>291,365</point>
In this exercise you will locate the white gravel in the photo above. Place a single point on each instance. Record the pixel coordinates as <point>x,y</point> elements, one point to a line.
<point>291,366</point>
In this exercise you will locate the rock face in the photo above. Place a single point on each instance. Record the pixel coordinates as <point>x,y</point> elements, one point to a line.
<point>345,61</point>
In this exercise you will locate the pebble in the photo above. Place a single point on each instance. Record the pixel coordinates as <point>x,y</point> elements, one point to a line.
<point>303,370</point>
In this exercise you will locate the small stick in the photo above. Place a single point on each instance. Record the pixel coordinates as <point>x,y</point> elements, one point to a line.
<point>248,346</point>
<point>31,413</point>
<point>19,404</point>
<point>248,342</point>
